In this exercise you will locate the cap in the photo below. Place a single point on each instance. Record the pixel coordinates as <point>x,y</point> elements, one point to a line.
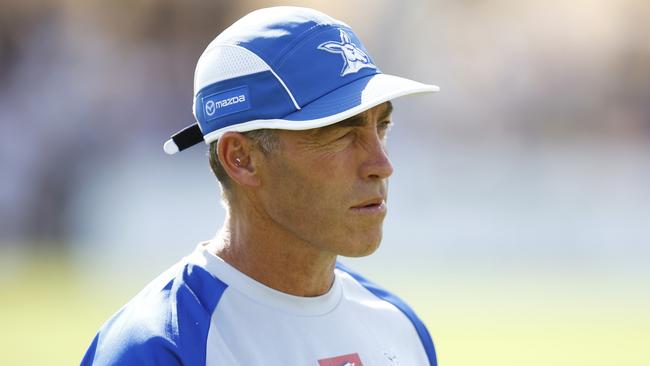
<point>285,68</point>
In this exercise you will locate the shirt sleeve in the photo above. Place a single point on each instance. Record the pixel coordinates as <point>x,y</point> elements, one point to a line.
<point>130,351</point>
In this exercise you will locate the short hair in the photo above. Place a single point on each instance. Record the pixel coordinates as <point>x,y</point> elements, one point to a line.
<point>266,139</point>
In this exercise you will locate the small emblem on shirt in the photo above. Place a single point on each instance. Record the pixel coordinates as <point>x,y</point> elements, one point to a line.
<point>392,358</point>
<point>346,360</point>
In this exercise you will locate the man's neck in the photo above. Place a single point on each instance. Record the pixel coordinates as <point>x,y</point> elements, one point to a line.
<point>273,257</point>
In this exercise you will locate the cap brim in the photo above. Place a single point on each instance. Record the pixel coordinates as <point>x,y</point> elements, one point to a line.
<point>354,98</point>
<point>342,103</point>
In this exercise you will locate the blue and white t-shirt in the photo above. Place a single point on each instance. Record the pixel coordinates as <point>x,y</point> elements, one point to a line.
<point>203,311</point>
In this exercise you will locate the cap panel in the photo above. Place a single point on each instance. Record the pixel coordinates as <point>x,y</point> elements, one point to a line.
<point>327,59</point>
<point>270,32</point>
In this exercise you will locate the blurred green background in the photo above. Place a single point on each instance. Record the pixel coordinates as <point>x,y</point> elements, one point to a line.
<point>519,212</point>
<point>50,313</point>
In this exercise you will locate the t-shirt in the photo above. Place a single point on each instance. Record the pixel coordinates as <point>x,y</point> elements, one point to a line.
<point>203,311</point>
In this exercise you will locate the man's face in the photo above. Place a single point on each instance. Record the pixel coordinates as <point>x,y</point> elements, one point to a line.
<point>328,186</point>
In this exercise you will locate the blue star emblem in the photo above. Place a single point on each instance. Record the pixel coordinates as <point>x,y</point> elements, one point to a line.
<point>353,57</point>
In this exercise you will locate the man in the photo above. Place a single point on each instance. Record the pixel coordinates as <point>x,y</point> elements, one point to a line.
<point>296,115</point>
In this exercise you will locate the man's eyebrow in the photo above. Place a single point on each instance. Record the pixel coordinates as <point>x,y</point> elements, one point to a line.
<point>387,112</point>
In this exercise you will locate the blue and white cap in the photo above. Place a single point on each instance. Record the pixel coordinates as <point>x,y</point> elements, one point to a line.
<point>286,68</point>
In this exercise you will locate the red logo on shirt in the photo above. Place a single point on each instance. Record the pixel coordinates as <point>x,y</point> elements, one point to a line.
<point>346,360</point>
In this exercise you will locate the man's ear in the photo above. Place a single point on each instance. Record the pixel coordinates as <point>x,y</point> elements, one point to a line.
<point>235,153</point>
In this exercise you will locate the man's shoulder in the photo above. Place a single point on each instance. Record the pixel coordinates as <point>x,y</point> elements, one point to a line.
<point>372,289</point>
<point>147,329</point>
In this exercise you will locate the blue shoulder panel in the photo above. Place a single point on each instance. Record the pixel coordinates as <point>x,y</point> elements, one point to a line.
<point>165,324</point>
<point>383,294</point>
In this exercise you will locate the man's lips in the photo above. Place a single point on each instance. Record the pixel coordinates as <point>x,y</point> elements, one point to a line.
<point>371,206</point>
<point>370,202</point>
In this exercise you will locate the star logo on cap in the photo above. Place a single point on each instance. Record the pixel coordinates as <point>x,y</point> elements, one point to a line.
<point>353,57</point>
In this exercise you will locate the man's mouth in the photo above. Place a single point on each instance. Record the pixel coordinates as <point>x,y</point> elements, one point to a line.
<point>374,205</point>
<point>370,202</point>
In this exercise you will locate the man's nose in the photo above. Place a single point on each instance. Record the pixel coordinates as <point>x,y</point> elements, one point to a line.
<point>377,164</point>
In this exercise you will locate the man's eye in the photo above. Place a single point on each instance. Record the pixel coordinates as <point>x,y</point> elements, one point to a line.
<point>384,126</point>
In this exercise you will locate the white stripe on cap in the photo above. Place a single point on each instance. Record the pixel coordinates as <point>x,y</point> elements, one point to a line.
<point>222,62</point>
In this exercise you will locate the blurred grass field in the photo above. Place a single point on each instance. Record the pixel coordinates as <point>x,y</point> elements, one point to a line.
<point>50,313</point>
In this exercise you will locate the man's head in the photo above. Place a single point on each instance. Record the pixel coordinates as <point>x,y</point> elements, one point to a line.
<point>299,109</point>
<point>326,186</point>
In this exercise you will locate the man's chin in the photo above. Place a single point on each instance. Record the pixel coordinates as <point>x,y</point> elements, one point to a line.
<point>361,248</point>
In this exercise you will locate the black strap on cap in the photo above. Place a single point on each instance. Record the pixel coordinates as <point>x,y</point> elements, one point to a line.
<point>183,139</point>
